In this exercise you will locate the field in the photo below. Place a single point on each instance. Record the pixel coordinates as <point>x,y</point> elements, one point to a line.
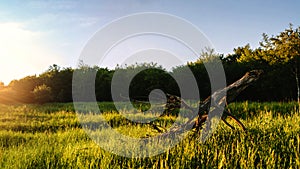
<point>50,136</point>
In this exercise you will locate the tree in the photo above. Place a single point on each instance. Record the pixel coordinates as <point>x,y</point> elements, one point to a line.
<point>60,82</point>
<point>209,61</point>
<point>279,56</point>
<point>23,88</point>
<point>102,84</point>
<point>284,49</point>
<point>246,54</point>
<point>42,94</point>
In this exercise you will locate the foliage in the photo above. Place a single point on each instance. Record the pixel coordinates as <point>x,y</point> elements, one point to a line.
<point>278,56</point>
<point>285,48</point>
<point>42,94</point>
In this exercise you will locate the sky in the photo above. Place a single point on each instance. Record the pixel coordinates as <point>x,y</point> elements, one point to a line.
<point>36,34</point>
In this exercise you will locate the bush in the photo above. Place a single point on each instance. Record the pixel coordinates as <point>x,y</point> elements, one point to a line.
<point>42,94</point>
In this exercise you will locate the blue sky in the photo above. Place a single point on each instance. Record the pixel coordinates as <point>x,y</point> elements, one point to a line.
<point>36,34</point>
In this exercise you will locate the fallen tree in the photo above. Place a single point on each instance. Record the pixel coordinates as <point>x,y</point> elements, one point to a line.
<point>216,102</point>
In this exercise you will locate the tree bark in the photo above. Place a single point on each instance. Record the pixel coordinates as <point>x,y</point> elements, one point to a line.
<point>216,100</point>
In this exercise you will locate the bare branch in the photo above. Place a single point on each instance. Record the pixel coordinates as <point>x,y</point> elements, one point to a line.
<point>216,100</point>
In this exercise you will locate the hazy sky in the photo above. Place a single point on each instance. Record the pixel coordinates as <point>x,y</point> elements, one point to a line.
<point>36,34</point>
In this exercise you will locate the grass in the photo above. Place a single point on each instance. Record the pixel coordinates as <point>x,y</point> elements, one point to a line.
<point>51,136</point>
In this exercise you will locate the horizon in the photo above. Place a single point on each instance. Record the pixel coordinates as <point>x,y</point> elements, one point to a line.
<point>37,34</point>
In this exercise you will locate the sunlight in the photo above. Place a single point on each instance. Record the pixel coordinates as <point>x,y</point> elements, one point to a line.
<point>22,52</point>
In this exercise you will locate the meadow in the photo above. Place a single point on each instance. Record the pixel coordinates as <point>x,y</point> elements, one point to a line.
<point>51,136</point>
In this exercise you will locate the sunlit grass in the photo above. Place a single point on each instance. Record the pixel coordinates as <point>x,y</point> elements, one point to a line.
<point>51,136</point>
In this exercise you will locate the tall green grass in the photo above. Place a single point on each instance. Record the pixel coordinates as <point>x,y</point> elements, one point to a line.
<point>50,136</point>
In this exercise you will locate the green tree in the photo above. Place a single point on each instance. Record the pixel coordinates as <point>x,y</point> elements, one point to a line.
<point>42,94</point>
<point>284,49</point>
<point>145,78</point>
<point>60,82</point>
<point>246,54</point>
<point>208,59</point>
<point>23,88</point>
<point>102,84</point>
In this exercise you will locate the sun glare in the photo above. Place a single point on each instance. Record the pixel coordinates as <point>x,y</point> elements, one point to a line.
<point>22,52</point>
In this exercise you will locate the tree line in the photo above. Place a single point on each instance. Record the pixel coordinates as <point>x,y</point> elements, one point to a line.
<point>278,56</point>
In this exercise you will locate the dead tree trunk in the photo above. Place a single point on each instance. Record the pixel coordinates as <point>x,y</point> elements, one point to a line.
<point>216,100</point>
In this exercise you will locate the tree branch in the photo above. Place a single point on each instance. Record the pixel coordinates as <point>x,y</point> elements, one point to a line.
<point>216,100</point>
